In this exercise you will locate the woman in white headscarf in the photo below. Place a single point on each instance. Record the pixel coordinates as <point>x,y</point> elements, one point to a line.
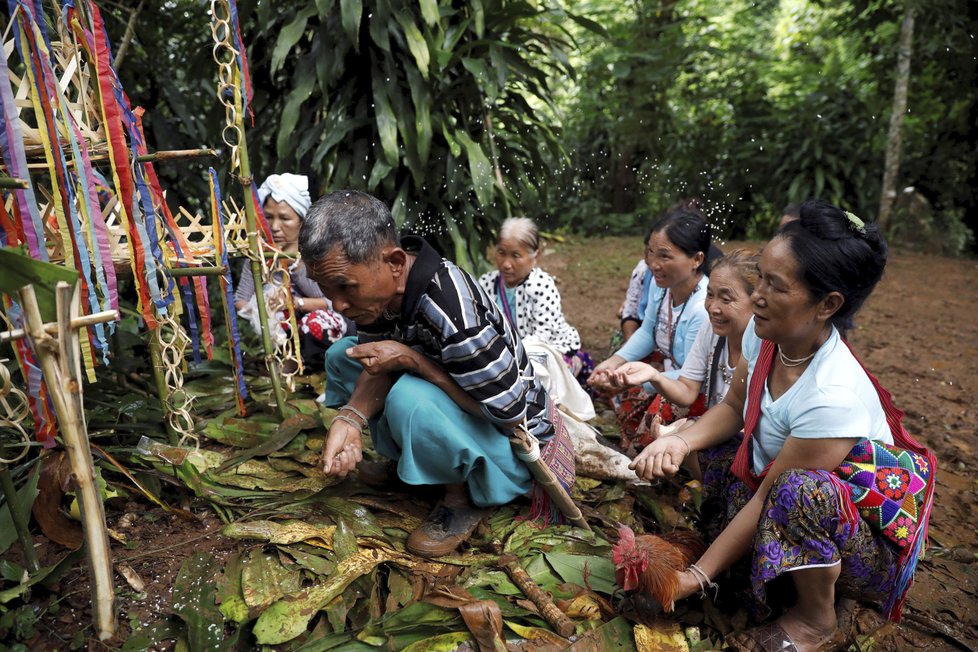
<point>285,200</point>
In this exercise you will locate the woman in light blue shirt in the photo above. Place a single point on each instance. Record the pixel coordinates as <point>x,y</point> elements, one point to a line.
<point>679,251</point>
<point>805,401</point>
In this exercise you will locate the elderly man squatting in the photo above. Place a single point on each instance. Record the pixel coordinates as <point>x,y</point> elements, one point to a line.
<point>438,373</point>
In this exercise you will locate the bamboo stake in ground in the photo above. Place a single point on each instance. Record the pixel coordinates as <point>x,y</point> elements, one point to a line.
<point>557,618</point>
<point>528,450</point>
<point>61,367</point>
<point>274,365</point>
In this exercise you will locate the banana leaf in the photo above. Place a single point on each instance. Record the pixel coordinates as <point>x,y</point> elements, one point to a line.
<point>357,516</point>
<point>440,643</point>
<point>283,434</point>
<point>195,603</point>
<point>17,269</point>
<point>264,580</point>
<point>230,597</point>
<point>600,571</point>
<point>615,635</point>
<point>313,563</point>
<point>287,619</point>
<point>282,533</point>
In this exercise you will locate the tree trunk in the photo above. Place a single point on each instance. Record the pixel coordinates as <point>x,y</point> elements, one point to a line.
<point>895,136</point>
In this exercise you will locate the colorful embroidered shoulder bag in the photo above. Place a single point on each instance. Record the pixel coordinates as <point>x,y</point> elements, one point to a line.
<point>890,486</point>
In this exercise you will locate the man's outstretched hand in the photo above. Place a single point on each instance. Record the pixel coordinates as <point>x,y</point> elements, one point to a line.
<point>343,449</point>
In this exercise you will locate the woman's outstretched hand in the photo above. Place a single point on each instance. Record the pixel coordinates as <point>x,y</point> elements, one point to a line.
<point>660,459</point>
<point>634,373</point>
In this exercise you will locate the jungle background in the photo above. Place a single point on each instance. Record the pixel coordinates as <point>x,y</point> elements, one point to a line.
<point>592,118</point>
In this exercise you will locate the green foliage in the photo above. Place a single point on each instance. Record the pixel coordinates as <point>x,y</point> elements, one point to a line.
<point>751,105</point>
<point>422,104</point>
<point>442,109</point>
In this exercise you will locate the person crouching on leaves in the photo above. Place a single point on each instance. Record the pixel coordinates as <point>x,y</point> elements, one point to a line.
<point>285,201</point>
<point>710,365</point>
<point>529,299</point>
<point>787,504</point>
<point>438,373</point>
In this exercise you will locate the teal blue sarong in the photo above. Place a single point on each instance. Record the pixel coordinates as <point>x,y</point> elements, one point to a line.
<point>433,440</point>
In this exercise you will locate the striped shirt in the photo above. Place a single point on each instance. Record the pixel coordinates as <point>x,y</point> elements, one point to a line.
<point>448,318</point>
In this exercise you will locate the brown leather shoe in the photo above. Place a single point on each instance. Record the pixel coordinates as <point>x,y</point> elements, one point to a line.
<point>445,529</point>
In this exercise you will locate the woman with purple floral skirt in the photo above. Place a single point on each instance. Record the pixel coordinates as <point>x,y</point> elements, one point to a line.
<point>777,501</point>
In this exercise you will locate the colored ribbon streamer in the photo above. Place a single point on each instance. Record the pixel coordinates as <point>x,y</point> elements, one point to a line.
<point>37,397</point>
<point>12,148</point>
<point>53,122</point>
<point>227,287</point>
<point>242,58</point>
<point>183,251</point>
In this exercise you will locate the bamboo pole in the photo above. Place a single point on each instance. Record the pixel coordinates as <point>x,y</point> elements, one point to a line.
<point>12,183</point>
<point>256,268</point>
<point>550,612</point>
<point>61,367</point>
<point>528,451</point>
<point>203,270</point>
<point>19,518</point>
<point>151,157</point>
<point>51,328</point>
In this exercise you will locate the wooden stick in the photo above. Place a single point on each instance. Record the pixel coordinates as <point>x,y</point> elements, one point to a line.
<point>151,157</point>
<point>51,328</point>
<point>12,183</point>
<point>251,217</point>
<point>557,618</point>
<point>203,270</point>
<point>61,367</point>
<point>520,440</point>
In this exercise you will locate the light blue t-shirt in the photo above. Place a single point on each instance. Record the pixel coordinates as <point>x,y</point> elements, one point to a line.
<point>687,325</point>
<point>833,398</point>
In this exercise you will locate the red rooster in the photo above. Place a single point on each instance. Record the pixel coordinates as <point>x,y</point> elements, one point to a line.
<point>651,564</point>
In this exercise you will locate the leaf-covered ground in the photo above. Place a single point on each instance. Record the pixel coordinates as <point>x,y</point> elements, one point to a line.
<point>268,553</point>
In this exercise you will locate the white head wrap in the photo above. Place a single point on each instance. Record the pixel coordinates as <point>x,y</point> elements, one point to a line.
<point>293,189</point>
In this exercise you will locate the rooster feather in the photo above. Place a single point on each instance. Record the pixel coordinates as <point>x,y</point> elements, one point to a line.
<point>651,564</point>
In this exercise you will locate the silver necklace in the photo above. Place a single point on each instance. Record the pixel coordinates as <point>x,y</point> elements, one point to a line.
<point>794,362</point>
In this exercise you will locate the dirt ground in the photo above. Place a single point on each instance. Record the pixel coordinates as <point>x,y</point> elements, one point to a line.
<point>918,333</point>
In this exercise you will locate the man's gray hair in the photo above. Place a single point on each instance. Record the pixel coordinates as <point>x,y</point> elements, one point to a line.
<point>360,224</point>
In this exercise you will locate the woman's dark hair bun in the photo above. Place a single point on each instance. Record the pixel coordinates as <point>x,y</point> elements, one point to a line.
<point>837,253</point>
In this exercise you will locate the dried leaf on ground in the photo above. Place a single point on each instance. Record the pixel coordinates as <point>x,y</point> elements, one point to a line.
<point>664,636</point>
<point>283,533</point>
<point>286,619</point>
<point>264,580</point>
